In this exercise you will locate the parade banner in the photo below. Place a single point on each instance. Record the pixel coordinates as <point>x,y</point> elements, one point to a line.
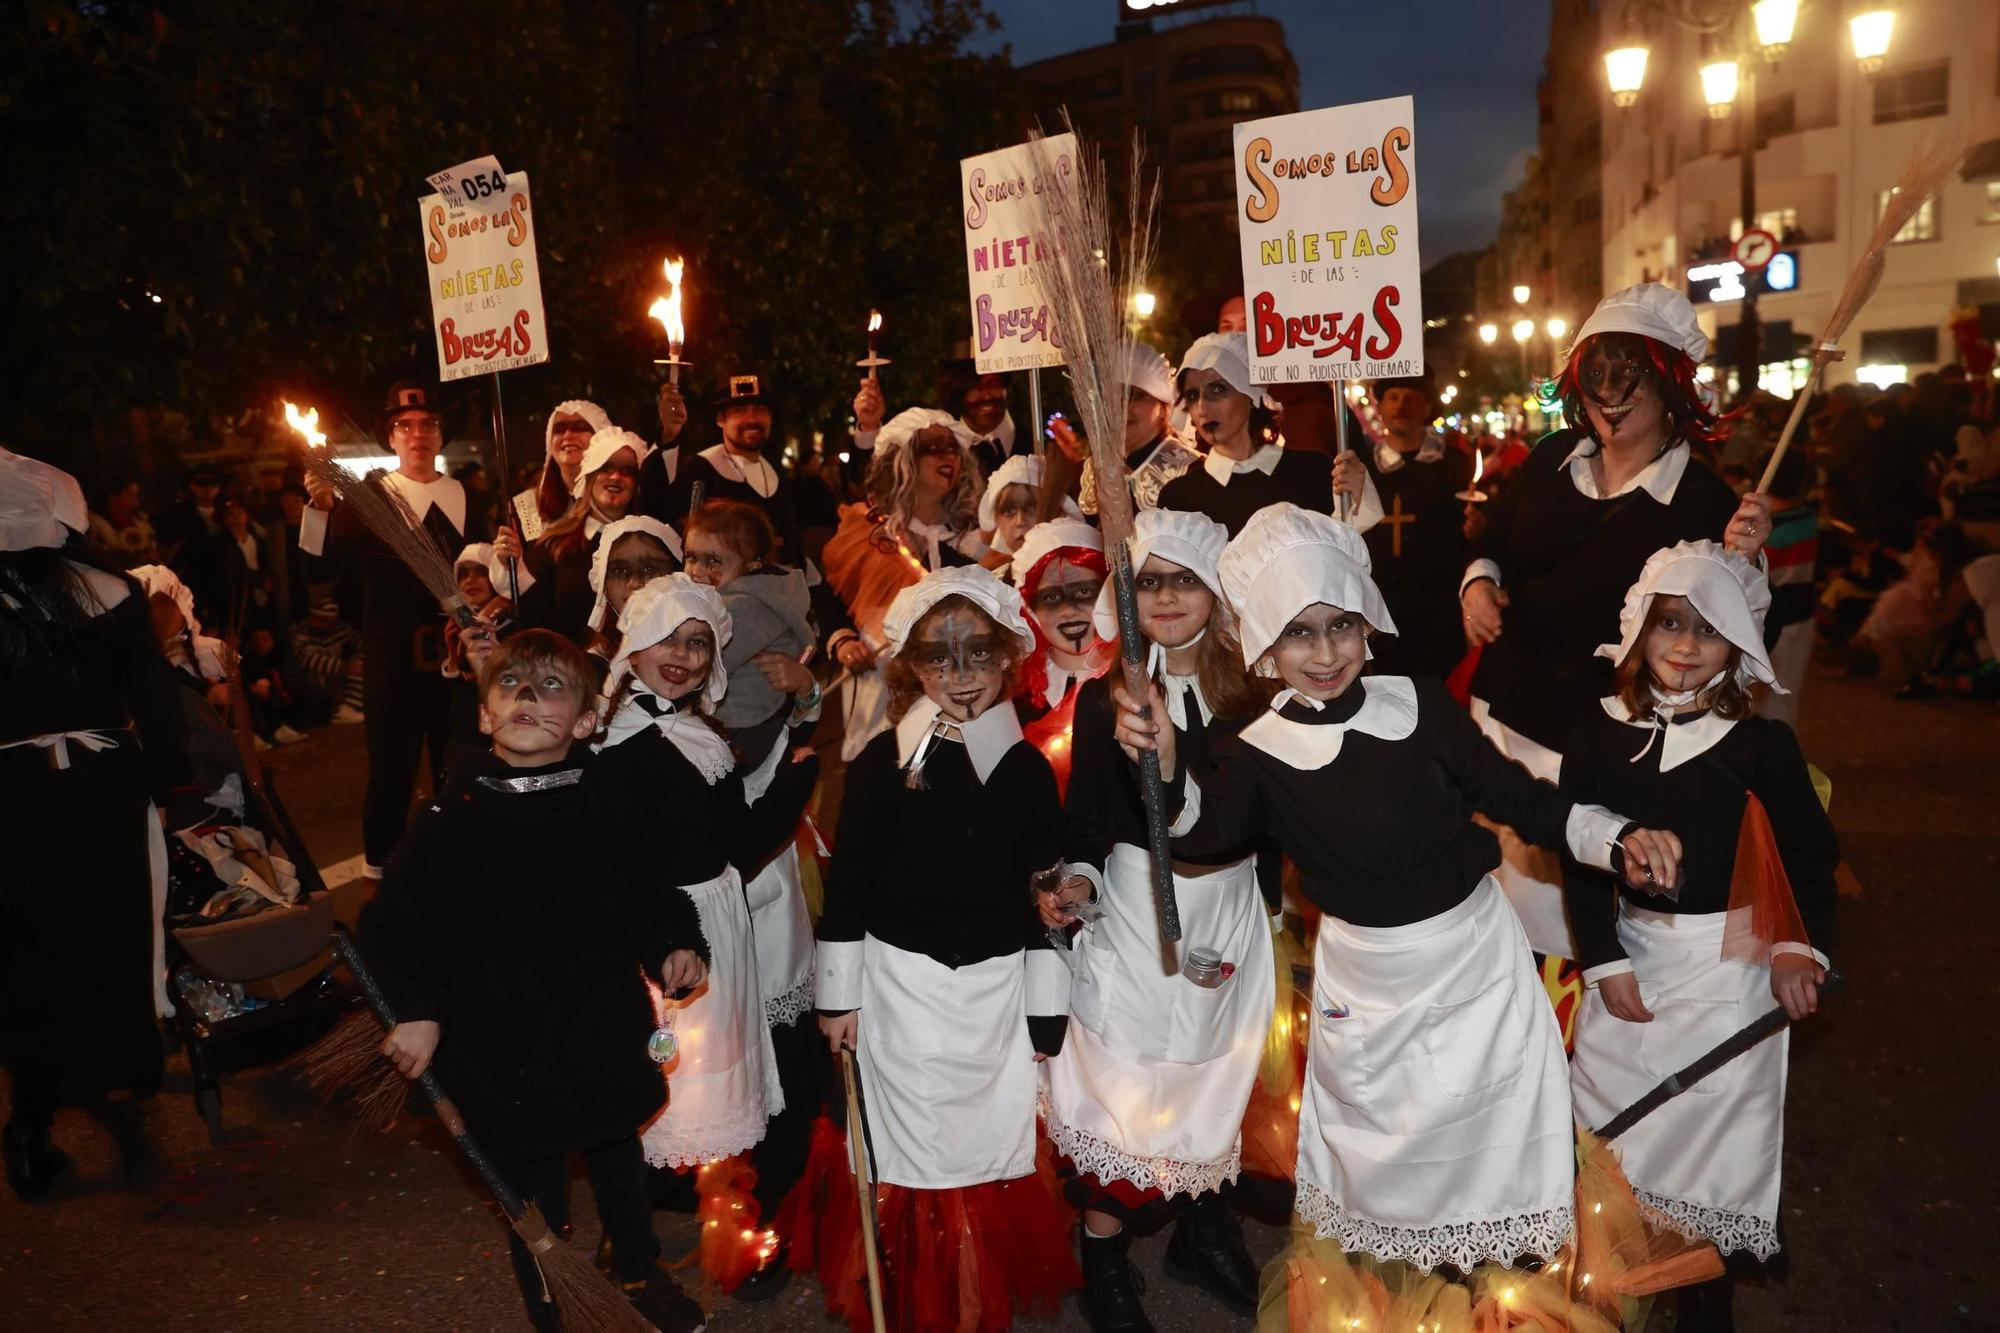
<point>479,252</point>
<point>1012,327</point>
<point>1327,206</point>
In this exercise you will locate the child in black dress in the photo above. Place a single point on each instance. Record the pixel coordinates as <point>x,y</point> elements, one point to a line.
<point>539,1019</point>
<point>1676,967</point>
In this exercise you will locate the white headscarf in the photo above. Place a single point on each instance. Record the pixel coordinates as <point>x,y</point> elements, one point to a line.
<point>598,418</point>
<point>607,537</point>
<point>981,587</point>
<point>1654,310</point>
<point>1228,355</point>
<point>1193,541</point>
<point>1019,470</point>
<point>40,505</point>
<point>604,445</point>
<point>1045,539</point>
<point>481,554</point>
<point>159,581</point>
<point>1287,559</point>
<point>1730,591</point>
<point>654,612</point>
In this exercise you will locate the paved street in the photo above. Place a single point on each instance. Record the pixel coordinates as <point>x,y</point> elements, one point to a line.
<point>1891,1198</point>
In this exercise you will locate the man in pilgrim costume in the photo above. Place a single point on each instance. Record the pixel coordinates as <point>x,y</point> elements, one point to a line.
<point>1418,549</point>
<point>1154,455</point>
<point>1569,535</point>
<point>406,699</point>
<point>1674,969</point>
<point>1435,1125</point>
<point>1245,465</point>
<point>736,468</point>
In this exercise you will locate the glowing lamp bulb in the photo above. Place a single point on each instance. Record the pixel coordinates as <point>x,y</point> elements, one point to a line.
<point>1522,291</point>
<point>1774,20</point>
<point>1556,327</point>
<point>1490,333</point>
<point>1718,87</point>
<point>1625,71</point>
<point>1524,329</point>
<point>1871,33</point>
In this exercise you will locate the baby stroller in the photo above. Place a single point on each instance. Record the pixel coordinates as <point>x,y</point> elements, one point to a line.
<point>246,907</point>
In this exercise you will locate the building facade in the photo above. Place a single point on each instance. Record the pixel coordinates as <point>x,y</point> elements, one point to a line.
<point>1834,141</point>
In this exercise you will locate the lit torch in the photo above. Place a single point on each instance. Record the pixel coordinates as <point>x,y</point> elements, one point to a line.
<point>875,360</point>
<point>667,309</point>
<point>1475,495</point>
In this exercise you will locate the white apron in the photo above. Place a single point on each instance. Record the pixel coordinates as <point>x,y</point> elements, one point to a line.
<point>1155,1072</point>
<point>778,916</point>
<point>723,1085</point>
<point>947,1068</point>
<point>1708,1161</point>
<point>1435,1126</point>
<point>1530,875</point>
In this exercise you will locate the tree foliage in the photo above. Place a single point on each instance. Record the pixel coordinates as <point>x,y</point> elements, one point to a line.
<point>256,167</point>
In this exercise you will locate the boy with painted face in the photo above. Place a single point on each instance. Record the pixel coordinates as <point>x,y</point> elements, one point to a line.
<point>1143,1039</point>
<point>1060,571</point>
<point>660,741</point>
<point>1674,967</point>
<point>538,1020</point>
<point>935,970</point>
<point>1435,1126</point>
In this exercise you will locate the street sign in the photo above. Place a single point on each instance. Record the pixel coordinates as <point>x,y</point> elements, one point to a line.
<point>1012,325</point>
<point>1327,212</point>
<point>1755,248</point>
<point>1727,280</point>
<point>486,288</point>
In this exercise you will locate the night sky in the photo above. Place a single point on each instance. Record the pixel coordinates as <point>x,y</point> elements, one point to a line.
<point>1472,65</point>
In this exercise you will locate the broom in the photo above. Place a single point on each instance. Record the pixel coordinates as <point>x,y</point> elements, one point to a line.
<point>1073,265</point>
<point>386,513</point>
<point>1921,178</point>
<point>583,1299</point>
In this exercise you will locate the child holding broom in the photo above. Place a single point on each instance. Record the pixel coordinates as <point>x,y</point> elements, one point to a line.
<point>537,1014</point>
<point>1675,968</point>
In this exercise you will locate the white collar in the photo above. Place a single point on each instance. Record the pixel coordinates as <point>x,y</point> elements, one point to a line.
<point>1679,741</point>
<point>1177,691</point>
<point>1222,468</point>
<point>1388,712</point>
<point>442,491</point>
<point>685,730</point>
<point>1388,458</point>
<point>1003,434</point>
<point>1661,477</point>
<point>730,466</point>
<point>987,738</point>
<point>936,536</point>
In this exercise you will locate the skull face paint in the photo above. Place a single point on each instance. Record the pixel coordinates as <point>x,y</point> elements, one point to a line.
<point>1621,394</point>
<point>960,658</point>
<point>1062,605</point>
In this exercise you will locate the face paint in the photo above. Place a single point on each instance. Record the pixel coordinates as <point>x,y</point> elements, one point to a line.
<point>636,560</point>
<point>532,718</point>
<point>1621,395</point>
<point>1682,649</point>
<point>1014,514</point>
<point>961,661</point>
<point>1174,604</point>
<point>1321,652</point>
<point>1063,606</point>
<point>677,666</point>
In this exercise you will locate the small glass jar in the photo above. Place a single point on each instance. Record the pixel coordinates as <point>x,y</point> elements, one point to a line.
<point>1203,967</point>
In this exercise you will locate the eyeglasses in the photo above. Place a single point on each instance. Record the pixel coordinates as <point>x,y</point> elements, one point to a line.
<point>1056,597</point>
<point>416,426</point>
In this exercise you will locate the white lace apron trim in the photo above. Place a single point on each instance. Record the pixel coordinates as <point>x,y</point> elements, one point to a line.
<point>1105,1162</point>
<point>787,1009</point>
<point>1730,1231</point>
<point>1460,1244</point>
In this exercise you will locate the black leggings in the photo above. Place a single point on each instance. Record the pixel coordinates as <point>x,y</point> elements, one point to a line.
<point>408,711</point>
<point>617,1173</point>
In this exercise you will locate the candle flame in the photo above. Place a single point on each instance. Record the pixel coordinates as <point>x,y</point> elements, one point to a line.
<point>874,321</point>
<point>1478,466</point>
<point>667,309</point>
<point>306,424</point>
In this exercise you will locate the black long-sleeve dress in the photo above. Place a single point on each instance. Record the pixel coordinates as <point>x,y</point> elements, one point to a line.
<point>76,912</point>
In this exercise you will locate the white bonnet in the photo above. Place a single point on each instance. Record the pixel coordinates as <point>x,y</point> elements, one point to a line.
<point>1729,590</point>
<point>656,611</point>
<point>1287,559</point>
<point>979,586</point>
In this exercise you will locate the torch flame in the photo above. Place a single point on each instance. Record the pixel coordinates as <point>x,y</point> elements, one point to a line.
<point>667,309</point>
<point>874,321</point>
<point>306,424</point>
<point>1478,466</point>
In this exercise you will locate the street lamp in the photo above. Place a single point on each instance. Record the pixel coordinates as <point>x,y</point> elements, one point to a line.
<point>1556,328</point>
<point>1625,70</point>
<point>1524,329</point>
<point>1871,32</point>
<point>1490,333</point>
<point>1718,89</point>
<point>1522,291</point>
<point>1774,20</point>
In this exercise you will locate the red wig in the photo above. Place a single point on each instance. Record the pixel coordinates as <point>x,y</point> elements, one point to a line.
<point>1035,671</point>
<point>1669,369</point>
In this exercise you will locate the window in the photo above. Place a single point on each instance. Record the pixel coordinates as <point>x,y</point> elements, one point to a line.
<point>1991,211</point>
<point>1782,223</point>
<point>1911,94</point>
<point>1215,60</point>
<point>1907,347</point>
<point>1230,103</point>
<point>1922,226</point>
<point>1776,116</point>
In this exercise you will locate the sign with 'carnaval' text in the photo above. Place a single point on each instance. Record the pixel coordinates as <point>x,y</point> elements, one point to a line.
<point>479,254</point>
<point>1327,206</point>
<point>1012,325</point>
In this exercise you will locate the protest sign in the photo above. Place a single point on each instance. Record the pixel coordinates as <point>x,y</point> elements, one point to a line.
<point>1327,207</point>
<point>1012,326</point>
<point>479,252</point>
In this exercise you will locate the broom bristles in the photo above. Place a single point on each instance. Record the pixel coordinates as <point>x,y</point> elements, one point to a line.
<point>1922,176</point>
<point>390,518</point>
<point>583,1298</point>
<point>347,1065</point>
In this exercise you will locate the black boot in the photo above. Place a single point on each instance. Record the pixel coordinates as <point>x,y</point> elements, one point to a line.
<point>1111,1286</point>
<point>1207,1250</point>
<point>1707,1307</point>
<point>32,1163</point>
<point>145,1161</point>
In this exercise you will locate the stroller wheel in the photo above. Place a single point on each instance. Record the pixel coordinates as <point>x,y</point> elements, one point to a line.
<point>208,1101</point>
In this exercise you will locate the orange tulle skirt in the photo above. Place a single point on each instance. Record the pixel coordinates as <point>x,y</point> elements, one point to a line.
<point>972,1260</point>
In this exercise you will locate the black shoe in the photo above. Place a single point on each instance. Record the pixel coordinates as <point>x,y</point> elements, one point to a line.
<point>32,1163</point>
<point>768,1281</point>
<point>661,1302</point>
<point>1207,1250</point>
<point>1111,1286</point>
<point>1707,1307</point>
<point>145,1162</point>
